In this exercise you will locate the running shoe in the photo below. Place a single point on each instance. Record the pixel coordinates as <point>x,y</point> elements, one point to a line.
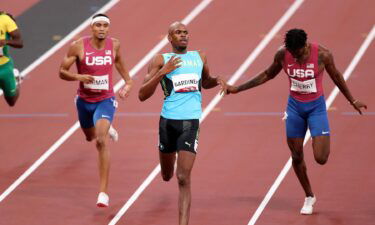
<point>103,200</point>
<point>113,134</point>
<point>307,208</point>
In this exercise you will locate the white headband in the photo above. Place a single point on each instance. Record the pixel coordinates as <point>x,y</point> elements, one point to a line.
<point>100,18</point>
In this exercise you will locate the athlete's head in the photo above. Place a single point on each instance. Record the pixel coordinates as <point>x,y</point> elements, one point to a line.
<point>295,41</point>
<point>100,26</point>
<point>178,36</point>
<point>10,15</point>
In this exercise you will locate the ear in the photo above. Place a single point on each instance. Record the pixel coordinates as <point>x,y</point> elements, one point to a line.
<point>169,38</point>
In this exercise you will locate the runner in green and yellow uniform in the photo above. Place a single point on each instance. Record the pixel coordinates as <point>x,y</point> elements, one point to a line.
<point>9,36</point>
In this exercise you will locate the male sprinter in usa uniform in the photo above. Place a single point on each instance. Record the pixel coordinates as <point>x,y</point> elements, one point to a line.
<point>95,56</point>
<point>304,63</point>
<point>9,36</point>
<point>181,74</point>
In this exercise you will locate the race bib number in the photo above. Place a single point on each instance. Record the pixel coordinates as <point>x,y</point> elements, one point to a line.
<point>99,83</point>
<point>304,87</point>
<point>185,82</point>
<point>1,52</point>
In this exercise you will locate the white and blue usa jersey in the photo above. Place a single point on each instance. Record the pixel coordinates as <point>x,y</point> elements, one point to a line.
<point>182,88</point>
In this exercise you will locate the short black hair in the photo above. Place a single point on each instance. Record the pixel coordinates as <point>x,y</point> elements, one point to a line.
<point>295,39</point>
<point>100,14</point>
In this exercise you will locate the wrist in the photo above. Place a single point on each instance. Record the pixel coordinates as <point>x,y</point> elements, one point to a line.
<point>353,102</point>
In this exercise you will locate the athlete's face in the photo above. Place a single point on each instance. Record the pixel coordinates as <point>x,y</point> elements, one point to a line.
<point>298,53</point>
<point>100,29</point>
<point>179,36</point>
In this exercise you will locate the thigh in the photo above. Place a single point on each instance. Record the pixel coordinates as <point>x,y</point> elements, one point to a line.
<point>7,80</point>
<point>296,124</point>
<point>167,135</point>
<point>318,121</point>
<point>188,139</point>
<point>85,114</point>
<point>105,110</point>
<point>185,162</point>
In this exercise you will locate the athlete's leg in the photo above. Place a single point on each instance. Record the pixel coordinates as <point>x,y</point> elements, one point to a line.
<point>90,133</point>
<point>167,148</point>
<point>299,165</point>
<point>102,127</point>
<point>296,127</point>
<point>8,83</point>
<point>167,161</point>
<point>185,162</point>
<point>103,117</point>
<point>11,100</point>
<point>321,147</point>
<point>85,117</point>
<point>319,127</point>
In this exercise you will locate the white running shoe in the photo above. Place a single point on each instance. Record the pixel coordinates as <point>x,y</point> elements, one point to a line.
<point>307,208</point>
<point>103,200</point>
<point>113,134</point>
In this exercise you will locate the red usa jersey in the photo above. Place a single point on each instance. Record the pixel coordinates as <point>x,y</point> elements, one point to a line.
<point>98,63</point>
<point>306,81</point>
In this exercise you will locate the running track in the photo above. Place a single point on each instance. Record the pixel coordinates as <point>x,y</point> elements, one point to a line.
<point>242,145</point>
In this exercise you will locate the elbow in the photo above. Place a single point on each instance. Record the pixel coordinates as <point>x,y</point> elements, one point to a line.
<point>141,97</point>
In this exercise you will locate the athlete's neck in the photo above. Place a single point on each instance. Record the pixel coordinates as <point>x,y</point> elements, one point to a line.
<point>306,54</point>
<point>179,50</point>
<point>97,43</point>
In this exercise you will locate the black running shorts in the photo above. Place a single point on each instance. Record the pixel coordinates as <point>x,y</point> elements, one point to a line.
<point>176,135</point>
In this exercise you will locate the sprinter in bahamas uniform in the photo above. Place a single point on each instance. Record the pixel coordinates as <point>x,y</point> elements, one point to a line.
<point>304,64</point>
<point>9,36</point>
<point>181,74</point>
<point>95,57</point>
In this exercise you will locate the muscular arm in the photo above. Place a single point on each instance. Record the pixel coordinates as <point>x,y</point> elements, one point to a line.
<point>156,71</point>
<point>261,78</point>
<point>121,68</point>
<point>15,40</point>
<point>208,81</point>
<point>119,63</point>
<point>73,54</point>
<point>327,58</point>
<point>152,78</point>
<point>329,64</point>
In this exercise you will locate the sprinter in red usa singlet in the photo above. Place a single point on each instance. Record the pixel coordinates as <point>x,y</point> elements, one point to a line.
<point>95,56</point>
<point>304,64</point>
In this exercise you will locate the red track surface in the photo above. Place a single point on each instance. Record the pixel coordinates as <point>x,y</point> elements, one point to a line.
<point>239,156</point>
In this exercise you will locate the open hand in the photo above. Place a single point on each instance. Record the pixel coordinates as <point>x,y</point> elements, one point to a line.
<point>125,91</point>
<point>357,105</point>
<point>173,63</point>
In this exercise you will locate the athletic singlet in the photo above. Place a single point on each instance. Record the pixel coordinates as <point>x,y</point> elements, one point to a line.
<point>97,63</point>
<point>306,82</point>
<point>7,25</point>
<point>182,88</point>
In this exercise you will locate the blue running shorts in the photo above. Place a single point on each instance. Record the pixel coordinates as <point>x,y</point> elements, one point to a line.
<point>303,115</point>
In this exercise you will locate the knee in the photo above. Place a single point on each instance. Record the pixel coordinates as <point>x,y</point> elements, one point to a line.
<point>89,139</point>
<point>167,177</point>
<point>321,159</point>
<point>183,179</point>
<point>100,143</point>
<point>297,158</point>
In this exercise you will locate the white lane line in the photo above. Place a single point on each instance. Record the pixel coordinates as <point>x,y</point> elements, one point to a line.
<point>65,40</point>
<point>72,129</point>
<point>214,102</point>
<point>329,101</point>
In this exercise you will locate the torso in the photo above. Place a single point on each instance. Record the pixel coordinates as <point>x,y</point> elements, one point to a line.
<point>7,25</point>
<point>98,63</point>
<point>305,79</point>
<point>182,88</point>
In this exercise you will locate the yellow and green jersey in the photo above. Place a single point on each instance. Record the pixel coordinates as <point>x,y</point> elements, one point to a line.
<point>7,25</point>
